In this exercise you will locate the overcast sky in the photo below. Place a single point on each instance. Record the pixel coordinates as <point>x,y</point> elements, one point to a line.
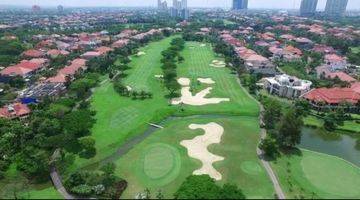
<point>353,4</point>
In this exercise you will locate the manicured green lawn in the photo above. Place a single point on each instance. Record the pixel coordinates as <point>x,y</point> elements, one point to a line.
<point>316,175</point>
<point>196,65</point>
<point>118,118</point>
<point>166,162</point>
<point>160,162</point>
<point>351,126</point>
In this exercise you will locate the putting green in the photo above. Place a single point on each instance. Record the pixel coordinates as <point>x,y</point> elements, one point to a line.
<point>332,175</point>
<point>160,160</point>
<point>251,167</point>
<point>310,175</point>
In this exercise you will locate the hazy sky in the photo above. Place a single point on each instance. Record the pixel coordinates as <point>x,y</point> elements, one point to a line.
<point>353,4</point>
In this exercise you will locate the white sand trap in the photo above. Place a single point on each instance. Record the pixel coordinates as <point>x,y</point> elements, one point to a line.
<point>159,76</point>
<point>184,81</point>
<point>206,80</point>
<point>197,100</point>
<point>197,148</point>
<point>140,53</point>
<point>128,88</point>
<point>218,64</point>
<point>203,45</point>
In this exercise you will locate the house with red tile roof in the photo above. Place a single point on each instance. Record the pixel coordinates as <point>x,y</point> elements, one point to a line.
<point>53,53</point>
<point>287,53</point>
<point>323,49</point>
<point>33,53</point>
<point>120,43</point>
<point>104,50</point>
<point>15,110</point>
<point>324,71</point>
<point>25,68</point>
<point>91,54</point>
<point>336,62</point>
<point>68,72</point>
<point>332,96</point>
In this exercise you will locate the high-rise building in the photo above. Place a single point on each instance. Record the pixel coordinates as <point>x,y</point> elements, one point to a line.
<point>179,9</point>
<point>35,8</point>
<point>162,5</point>
<point>60,8</point>
<point>335,8</point>
<point>240,4</point>
<point>183,4</point>
<point>308,7</point>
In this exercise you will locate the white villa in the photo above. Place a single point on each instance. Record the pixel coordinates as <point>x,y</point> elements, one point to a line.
<point>286,86</point>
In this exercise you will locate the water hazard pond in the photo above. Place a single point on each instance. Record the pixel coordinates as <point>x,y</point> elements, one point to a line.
<point>344,146</point>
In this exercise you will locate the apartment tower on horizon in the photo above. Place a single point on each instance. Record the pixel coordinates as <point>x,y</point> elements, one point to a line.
<point>240,4</point>
<point>308,7</point>
<point>335,8</point>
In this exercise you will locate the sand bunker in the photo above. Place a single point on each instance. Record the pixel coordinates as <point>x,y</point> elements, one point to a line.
<point>128,88</point>
<point>203,45</point>
<point>140,53</point>
<point>218,64</point>
<point>199,98</point>
<point>197,148</point>
<point>206,80</point>
<point>159,76</point>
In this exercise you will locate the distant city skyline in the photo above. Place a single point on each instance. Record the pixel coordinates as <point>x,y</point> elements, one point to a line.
<point>253,4</point>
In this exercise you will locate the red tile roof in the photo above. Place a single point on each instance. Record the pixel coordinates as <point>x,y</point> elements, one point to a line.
<point>23,68</point>
<point>32,53</point>
<point>333,58</point>
<point>356,87</point>
<point>333,95</point>
<point>342,76</point>
<point>14,110</point>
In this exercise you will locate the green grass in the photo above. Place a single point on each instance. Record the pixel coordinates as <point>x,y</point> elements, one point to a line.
<point>118,118</point>
<point>349,126</point>
<point>316,175</point>
<point>16,185</point>
<point>355,50</point>
<point>238,144</point>
<point>196,65</point>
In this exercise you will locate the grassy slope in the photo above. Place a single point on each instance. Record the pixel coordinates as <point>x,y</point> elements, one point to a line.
<point>351,126</point>
<point>15,183</point>
<point>241,165</point>
<point>118,117</point>
<point>315,175</point>
<point>196,65</point>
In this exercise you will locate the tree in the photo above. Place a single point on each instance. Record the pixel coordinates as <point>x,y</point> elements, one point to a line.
<point>230,191</point>
<point>88,146</point>
<point>198,187</point>
<point>330,122</point>
<point>270,147</point>
<point>302,107</point>
<point>272,113</point>
<point>289,132</point>
<point>204,187</point>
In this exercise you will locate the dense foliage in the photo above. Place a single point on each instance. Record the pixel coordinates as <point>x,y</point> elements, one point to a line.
<point>171,56</point>
<point>101,184</point>
<point>204,187</point>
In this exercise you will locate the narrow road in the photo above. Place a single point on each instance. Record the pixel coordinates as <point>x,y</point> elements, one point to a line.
<point>279,192</point>
<point>56,179</point>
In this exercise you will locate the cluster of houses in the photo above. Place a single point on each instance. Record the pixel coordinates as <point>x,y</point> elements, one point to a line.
<point>52,46</point>
<point>281,47</point>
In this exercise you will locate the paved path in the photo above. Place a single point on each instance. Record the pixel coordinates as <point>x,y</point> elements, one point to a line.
<point>279,192</point>
<point>56,179</point>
